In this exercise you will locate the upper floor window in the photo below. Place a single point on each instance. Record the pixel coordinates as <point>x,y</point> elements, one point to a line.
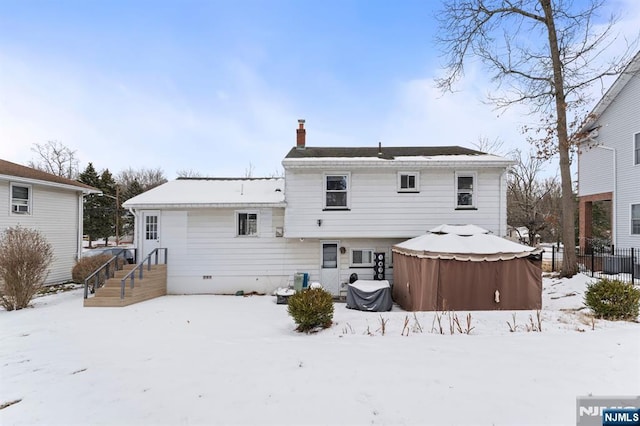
<point>336,189</point>
<point>247,224</point>
<point>20,199</point>
<point>465,190</point>
<point>361,257</point>
<point>408,181</point>
<point>636,149</point>
<point>635,219</point>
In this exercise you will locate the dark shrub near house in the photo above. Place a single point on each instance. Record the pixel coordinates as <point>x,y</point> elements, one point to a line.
<point>613,300</point>
<point>311,309</point>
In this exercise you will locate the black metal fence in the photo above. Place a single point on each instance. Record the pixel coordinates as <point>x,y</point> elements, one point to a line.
<point>599,262</point>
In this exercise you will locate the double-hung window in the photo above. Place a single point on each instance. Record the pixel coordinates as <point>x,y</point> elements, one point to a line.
<point>361,257</point>
<point>636,149</point>
<point>635,219</point>
<point>20,199</point>
<point>336,191</point>
<point>408,182</point>
<point>247,224</point>
<point>465,190</point>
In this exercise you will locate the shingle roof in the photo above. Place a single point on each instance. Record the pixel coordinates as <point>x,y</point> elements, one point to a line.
<point>388,153</point>
<point>12,169</point>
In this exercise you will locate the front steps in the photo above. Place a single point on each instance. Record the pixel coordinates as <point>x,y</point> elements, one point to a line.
<point>152,285</point>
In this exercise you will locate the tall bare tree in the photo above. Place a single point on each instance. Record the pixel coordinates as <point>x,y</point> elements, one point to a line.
<point>530,202</point>
<point>543,54</point>
<point>55,158</point>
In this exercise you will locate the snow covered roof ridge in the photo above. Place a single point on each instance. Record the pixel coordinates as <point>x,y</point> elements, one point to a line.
<point>463,230</point>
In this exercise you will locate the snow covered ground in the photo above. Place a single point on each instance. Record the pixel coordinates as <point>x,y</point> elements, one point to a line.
<point>190,360</point>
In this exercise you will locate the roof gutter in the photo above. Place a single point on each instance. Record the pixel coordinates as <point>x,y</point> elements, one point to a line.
<point>158,206</point>
<point>83,189</point>
<point>386,164</point>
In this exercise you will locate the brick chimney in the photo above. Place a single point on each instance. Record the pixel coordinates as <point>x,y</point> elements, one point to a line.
<point>301,135</point>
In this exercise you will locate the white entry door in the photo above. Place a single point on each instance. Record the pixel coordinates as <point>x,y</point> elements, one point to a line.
<point>150,232</point>
<point>330,267</point>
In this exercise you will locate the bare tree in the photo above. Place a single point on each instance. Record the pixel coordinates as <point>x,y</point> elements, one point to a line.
<point>55,158</point>
<point>489,146</point>
<point>248,172</point>
<point>529,202</point>
<point>144,178</point>
<point>190,173</point>
<point>544,54</point>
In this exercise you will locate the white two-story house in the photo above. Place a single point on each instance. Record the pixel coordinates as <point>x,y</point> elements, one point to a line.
<point>334,211</point>
<point>609,160</point>
<point>52,205</point>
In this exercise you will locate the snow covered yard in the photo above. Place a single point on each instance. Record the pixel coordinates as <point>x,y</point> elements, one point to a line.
<point>189,360</point>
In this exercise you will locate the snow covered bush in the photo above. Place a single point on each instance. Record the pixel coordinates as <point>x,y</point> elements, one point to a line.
<point>311,309</point>
<point>25,256</point>
<point>613,299</point>
<point>87,266</point>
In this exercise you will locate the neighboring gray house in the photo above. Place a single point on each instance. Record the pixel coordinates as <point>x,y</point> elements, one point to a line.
<point>51,204</point>
<point>333,211</point>
<point>609,160</point>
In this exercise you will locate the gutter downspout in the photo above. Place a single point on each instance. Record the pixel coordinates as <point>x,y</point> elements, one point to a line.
<point>136,228</point>
<point>80,236</point>
<point>614,235</point>
<point>502,205</point>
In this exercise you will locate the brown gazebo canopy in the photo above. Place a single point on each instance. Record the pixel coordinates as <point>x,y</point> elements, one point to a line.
<point>466,268</point>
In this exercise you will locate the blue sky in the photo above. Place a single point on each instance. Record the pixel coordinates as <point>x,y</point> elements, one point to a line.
<point>217,86</point>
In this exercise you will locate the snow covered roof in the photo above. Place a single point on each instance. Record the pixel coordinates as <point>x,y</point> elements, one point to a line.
<point>467,242</point>
<point>435,156</point>
<point>458,230</point>
<point>212,192</point>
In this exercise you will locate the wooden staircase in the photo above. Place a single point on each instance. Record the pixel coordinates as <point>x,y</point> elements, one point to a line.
<point>152,285</point>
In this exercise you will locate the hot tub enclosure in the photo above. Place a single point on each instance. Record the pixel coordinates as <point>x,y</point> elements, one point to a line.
<point>466,268</point>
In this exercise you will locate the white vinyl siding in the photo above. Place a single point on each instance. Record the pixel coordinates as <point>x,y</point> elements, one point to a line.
<point>55,213</point>
<point>361,257</point>
<point>618,129</point>
<point>595,170</point>
<point>20,198</point>
<point>377,210</point>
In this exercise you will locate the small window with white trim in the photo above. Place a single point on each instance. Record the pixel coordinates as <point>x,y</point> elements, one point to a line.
<point>247,224</point>
<point>20,199</point>
<point>361,257</point>
<point>635,219</point>
<point>636,149</point>
<point>465,190</point>
<point>408,181</point>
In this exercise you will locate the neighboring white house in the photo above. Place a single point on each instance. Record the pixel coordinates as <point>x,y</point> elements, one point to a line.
<point>335,209</point>
<point>609,160</point>
<point>50,204</point>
